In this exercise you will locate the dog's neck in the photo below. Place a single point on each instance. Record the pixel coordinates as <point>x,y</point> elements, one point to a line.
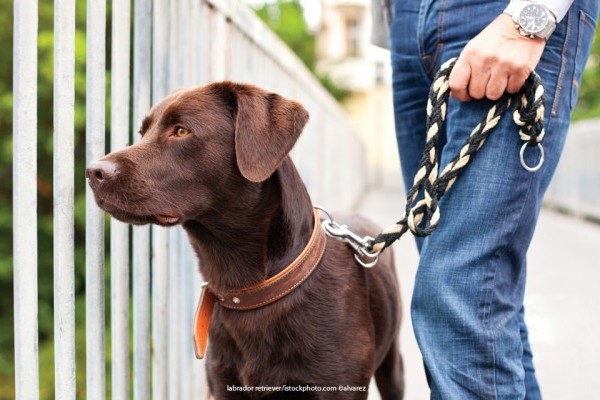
<point>268,229</point>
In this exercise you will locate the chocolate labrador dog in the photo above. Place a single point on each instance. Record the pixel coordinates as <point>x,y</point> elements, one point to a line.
<point>215,159</point>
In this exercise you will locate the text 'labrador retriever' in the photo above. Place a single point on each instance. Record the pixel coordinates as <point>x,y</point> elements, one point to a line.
<point>291,310</point>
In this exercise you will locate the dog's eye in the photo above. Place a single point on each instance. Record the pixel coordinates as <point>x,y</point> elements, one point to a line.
<point>181,132</point>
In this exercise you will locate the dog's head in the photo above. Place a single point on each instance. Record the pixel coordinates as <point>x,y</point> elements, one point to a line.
<point>200,148</point>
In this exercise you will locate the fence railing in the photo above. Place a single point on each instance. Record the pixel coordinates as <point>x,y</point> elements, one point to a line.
<point>175,43</point>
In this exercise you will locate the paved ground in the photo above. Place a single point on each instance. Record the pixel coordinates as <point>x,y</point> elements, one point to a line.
<point>562,301</point>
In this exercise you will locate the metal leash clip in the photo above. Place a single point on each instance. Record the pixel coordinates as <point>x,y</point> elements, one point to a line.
<point>361,245</point>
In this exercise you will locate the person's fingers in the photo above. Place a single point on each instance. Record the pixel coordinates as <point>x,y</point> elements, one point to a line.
<point>517,79</point>
<point>496,86</point>
<point>498,59</point>
<point>479,83</point>
<point>459,80</point>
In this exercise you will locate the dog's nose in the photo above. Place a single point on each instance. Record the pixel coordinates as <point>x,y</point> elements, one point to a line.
<point>101,171</point>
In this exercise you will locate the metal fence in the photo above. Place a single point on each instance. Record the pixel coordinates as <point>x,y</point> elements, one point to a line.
<point>175,43</point>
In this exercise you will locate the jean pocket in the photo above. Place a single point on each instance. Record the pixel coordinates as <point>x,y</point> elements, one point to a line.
<point>585,36</point>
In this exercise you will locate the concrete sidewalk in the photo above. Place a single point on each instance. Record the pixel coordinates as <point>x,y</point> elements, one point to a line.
<point>562,301</point>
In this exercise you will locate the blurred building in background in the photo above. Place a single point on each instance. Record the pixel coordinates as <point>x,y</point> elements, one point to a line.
<point>345,54</point>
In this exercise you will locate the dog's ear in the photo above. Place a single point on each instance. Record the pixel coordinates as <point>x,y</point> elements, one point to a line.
<point>266,128</point>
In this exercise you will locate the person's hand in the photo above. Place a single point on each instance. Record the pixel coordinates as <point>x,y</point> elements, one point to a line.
<point>499,59</point>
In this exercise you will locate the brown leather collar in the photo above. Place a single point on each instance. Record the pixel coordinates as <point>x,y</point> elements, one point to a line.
<point>284,282</point>
<point>261,294</point>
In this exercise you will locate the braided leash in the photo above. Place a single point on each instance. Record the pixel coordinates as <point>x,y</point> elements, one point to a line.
<point>422,215</point>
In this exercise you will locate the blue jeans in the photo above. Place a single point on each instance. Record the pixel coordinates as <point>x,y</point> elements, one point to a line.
<point>467,305</point>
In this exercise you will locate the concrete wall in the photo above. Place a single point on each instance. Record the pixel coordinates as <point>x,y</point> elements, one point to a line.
<point>576,184</point>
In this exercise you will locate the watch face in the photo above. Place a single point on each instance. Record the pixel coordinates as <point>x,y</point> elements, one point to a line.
<point>533,18</point>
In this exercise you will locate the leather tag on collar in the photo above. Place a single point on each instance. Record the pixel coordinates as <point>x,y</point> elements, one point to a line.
<point>202,321</point>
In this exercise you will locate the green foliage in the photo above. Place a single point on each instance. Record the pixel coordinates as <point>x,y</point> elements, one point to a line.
<point>286,19</point>
<point>6,288</point>
<point>6,304</point>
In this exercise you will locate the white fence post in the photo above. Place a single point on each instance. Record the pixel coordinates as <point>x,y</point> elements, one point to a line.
<point>174,315</point>
<point>141,234</point>
<point>94,238</point>
<point>119,231</point>
<point>25,199</point>
<point>160,244</point>
<point>64,203</point>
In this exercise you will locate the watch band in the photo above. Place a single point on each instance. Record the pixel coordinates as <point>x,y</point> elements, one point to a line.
<point>514,8</point>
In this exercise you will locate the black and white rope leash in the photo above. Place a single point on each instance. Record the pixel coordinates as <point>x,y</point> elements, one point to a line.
<point>422,215</point>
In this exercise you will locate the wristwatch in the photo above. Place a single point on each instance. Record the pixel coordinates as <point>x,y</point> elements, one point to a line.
<point>531,19</point>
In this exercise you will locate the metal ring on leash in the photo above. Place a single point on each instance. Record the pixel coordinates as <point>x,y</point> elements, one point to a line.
<point>366,264</point>
<point>329,217</point>
<point>539,164</point>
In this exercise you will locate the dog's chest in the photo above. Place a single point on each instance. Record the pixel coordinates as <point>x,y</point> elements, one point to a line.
<point>259,351</point>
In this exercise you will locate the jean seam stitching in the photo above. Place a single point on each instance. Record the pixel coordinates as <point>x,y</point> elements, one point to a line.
<point>441,21</point>
<point>563,64</point>
<point>423,10</point>
<point>510,239</point>
<point>574,84</point>
<point>440,38</point>
<point>495,369</point>
<point>584,19</point>
<point>588,19</point>
<point>487,311</point>
<point>435,57</point>
<point>486,314</point>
